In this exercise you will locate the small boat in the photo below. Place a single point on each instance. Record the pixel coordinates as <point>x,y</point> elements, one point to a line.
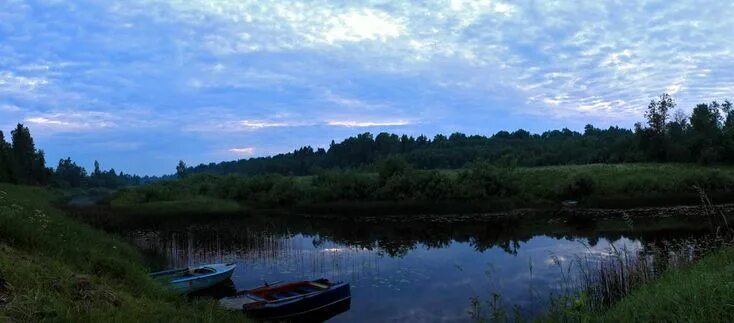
<point>191,279</point>
<point>290,300</point>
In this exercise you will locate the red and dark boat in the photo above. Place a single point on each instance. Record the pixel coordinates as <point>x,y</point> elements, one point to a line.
<point>291,300</point>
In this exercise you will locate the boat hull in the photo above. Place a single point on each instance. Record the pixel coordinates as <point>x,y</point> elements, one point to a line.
<point>336,296</point>
<point>186,285</point>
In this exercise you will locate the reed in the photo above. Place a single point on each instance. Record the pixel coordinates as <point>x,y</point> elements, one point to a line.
<point>595,283</point>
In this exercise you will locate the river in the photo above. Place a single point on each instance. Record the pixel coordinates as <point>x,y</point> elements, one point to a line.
<point>416,272</point>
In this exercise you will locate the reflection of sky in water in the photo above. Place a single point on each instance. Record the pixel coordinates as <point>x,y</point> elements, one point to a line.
<point>426,284</point>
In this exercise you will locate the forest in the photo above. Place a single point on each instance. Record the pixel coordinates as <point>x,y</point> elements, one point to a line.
<point>664,157</point>
<point>22,163</point>
<point>667,135</point>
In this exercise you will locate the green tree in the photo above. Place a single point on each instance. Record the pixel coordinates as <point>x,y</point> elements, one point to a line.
<point>727,132</point>
<point>5,162</point>
<point>69,174</point>
<point>29,165</point>
<point>706,132</point>
<point>97,170</point>
<point>679,132</point>
<point>657,113</point>
<point>655,135</point>
<point>181,169</point>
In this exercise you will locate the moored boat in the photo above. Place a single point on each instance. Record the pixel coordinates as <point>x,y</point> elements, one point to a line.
<point>191,279</point>
<point>290,300</point>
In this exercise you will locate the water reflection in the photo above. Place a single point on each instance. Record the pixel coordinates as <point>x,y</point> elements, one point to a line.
<point>413,272</point>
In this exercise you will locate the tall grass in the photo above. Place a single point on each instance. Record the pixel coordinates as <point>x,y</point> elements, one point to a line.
<point>602,281</point>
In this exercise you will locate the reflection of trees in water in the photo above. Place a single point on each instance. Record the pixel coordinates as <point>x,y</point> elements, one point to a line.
<point>261,250</point>
<point>268,239</point>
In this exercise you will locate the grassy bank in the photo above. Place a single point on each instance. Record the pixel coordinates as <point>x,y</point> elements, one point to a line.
<point>701,292</point>
<point>484,187</point>
<point>53,268</point>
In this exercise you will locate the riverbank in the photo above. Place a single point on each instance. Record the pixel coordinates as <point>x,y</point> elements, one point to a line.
<point>53,268</point>
<point>701,292</point>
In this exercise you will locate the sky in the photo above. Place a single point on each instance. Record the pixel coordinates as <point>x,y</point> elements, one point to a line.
<point>141,84</point>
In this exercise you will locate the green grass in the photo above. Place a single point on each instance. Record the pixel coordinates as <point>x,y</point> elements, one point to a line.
<point>55,269</point>
<point>702,292</point>
<point>630,178</point>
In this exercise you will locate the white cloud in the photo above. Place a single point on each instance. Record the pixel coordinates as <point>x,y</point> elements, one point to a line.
<point>242,150</point>
<point>349,102</point>
<point>9,108</point>
<point>47,121</point>
<point>73,121</point>
<point>259,124</point>
<point>359,25</point>
<point>357,124</point>
<point>12,83</point>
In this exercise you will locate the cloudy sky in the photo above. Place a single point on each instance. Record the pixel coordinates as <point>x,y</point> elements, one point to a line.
<point>140,84</point>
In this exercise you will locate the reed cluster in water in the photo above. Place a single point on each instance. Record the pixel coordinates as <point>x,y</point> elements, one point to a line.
<point>594,283</point>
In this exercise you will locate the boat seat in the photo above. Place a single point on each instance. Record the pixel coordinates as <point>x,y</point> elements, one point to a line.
<point>322,286</point>
<point>305,290</point>
<point>285,294</point>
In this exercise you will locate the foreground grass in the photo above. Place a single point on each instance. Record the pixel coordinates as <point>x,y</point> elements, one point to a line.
<point>55,269</point>
<point>702,292</point>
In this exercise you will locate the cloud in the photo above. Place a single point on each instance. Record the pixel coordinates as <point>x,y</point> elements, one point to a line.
<point>307,72</point>
<point>242,150</point>
<point>358,124</point>
<point>9,108</point>
<point>259,124</point>
<point>13,84</point>
<point>73,121</point>
<point>352,103</point>
<point>359,25</point>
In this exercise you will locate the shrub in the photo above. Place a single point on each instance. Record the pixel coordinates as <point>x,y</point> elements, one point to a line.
<point>485,180</point>
<point>390,167</point>
<point>340,185</point>
<point>398,187</point>
<point>434,186</point>
<point>576,187</point>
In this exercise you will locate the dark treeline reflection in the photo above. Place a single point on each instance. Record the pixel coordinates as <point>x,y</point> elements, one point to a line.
<point>265,237</point>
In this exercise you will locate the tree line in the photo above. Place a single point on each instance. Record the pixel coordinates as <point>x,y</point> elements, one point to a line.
<point>22,163</point>
<point>705,136</point>
<point>667,135</point>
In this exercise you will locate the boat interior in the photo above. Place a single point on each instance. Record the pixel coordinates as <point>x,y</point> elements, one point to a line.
<point>183,273</point>
<point>197,272</point>
<point>271,293</point>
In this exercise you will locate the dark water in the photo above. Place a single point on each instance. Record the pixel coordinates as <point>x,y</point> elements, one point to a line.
<point>410,272</point>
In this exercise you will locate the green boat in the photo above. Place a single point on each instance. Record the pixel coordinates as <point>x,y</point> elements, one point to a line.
<point>191,279</point>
